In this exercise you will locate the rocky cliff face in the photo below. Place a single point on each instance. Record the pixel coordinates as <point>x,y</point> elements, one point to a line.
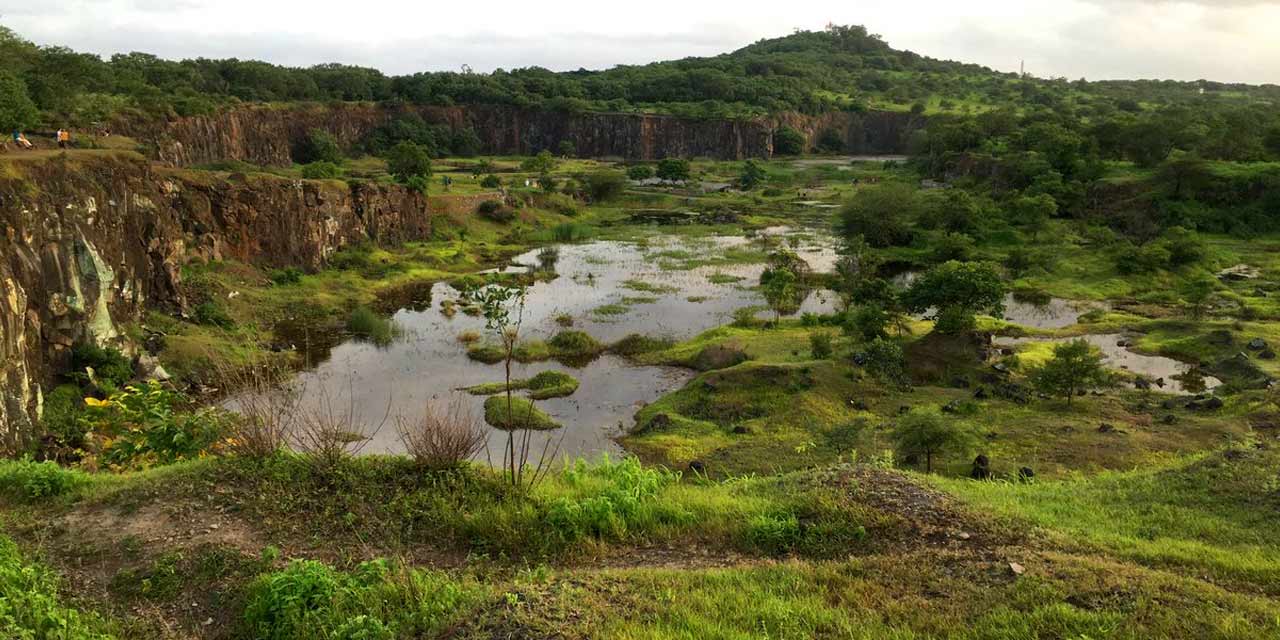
<point>269,135</point>
<point>89,243</point>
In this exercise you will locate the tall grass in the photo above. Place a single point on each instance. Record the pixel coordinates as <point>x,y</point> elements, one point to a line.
<point>365,323</point>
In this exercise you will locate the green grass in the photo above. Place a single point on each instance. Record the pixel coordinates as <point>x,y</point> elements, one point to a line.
<point>547,384</point>
<point>510,414</point>
<point>31,605</point>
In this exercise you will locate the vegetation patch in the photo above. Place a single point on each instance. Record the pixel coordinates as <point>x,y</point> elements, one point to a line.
<point>515,413</point>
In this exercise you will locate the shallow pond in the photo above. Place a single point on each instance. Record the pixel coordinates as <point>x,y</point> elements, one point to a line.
<point>1053,313</point>
<point>1120,357</point>
<point>658,287</point>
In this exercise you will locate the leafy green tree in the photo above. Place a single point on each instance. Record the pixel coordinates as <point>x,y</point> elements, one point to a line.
<point>1075,366</point>
<point>788,142</point>
<point>753,175</point>
<point>567,149</point>
<point>1271,141</point>
<point>781,290</point>
<point>604,185</point>
<point>881,215</point>
<point>1184,173</point>
<point>1197,294</point>
<point>408,160</point>
<point>320,146</point>
<point>955,292</point>
<point>640,172</point>
<point>884,359</point>
<point>17,111</point>
<point>673,169</point>
<point>1034,212</point>
<point>540,164</point>
<point>868,321</point>
<point>927,433</point>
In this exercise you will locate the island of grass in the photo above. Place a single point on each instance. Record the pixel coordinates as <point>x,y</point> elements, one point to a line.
<point>547,384</point>
<point>515,413</point>
<point>566,346</point>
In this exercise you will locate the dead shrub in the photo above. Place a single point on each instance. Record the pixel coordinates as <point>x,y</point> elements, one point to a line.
<point>444,436</point>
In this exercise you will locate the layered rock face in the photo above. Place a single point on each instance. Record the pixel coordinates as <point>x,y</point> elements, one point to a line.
<point>89,243</point>
<point>269,135</point>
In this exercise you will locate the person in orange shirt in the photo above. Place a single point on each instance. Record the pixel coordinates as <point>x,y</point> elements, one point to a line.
<point>64,138</point>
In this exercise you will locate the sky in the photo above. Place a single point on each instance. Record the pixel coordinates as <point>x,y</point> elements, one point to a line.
<point>1224,40</point>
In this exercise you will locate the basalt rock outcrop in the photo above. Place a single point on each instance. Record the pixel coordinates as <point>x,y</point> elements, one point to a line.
<point>88,243</point>
<point>270,135</point>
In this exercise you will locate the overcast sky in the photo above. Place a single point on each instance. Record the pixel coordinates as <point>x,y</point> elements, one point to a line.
<point>1227,40</point>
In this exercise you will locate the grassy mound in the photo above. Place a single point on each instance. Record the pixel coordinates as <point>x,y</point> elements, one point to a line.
<point>548,384</point>
<point>522,415</point>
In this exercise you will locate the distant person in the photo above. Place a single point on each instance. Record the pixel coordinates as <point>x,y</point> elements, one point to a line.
<point>64,139</point>
<point>21,141</point>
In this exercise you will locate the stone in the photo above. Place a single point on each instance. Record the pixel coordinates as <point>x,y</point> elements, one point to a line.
<point>858,405</point>
<point>1026,474</point>
<point>1240,272</point>
<point>698,467</point>
<point>1257,344</point>
<point>1267,354</point>
<point>952,407</point>
<point>741,430</point>
<point>1107,428</point>
<point>980,394</point>
<point>1017,569</point>
<point>1169,418</point>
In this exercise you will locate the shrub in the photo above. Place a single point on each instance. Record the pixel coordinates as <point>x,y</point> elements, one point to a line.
<point>622,501</point>
<point>551,384</point>
<point>286,276</point>
<point>602,186</point>
<point>496,211</point>
<point>443,436</point>
<point>884,359</point>
<point>868,321</point>
<point>635,344</point>
<point>320,146</point>
<point>29,604</point>
<point>773,533</point>
<point>214,314</point>
<point>28,480</point>
<point>142,427</point>
<point>788,142</point>
<point>378,600</point>
<point>640,172</point>
<point>491,182</point>
<point>882,215</point>
<point>60,419</point>
<point>675,169</point>
<point>928,433</point>
<point>111,367</point>
<point>820,345</point>
<point>366,324</point>
<point>321,171</point>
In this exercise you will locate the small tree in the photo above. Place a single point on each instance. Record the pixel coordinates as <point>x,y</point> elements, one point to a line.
<point>928,433</point>
<point>407,160</point>
<point>321,146</point>
<point>673,169</point>
<point>753,175</point>
<point>1197,294</point>
<point>17,111</point>
<point>1074,366</point>
<point>788,142</point>
<point>781,290</point>
<point>604,185</point>
<point>956,291</point>
<point>567,149</point>
<point>884,359</point>
<point>640,172</point>
<point>1034,212</point>
<point>542,163</point>
<point>881,215</point>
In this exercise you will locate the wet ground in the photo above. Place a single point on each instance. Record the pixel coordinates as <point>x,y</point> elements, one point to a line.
<point>659,284</point>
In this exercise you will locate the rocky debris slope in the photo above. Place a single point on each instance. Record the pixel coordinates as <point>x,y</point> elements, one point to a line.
<point>89,242</point>
<point>270,135</point>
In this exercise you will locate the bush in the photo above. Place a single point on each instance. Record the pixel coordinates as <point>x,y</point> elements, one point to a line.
<point>141,427</point>
<point>496,211</point>
<point>28,480</point>
<point>868,321</point>
<point>491,182</point>
<point>674,169</point>
<point>320,146</point>
<point>636,344</point>
<point>788,142</point>
<point>60,419</point>
<point>574,344</point>
<point>820,345</point>
<point>572,232</point>
<point>882,215</point>
<point>621,501</point>
<point>640,172</point>
<point>378,600</point>
<point>521,414</point>
<point>288,275</point>
<point>366,324</point>
<point>111,367</point>
<point>321,171</point>
<point>773,533</point>
<point>214,314</point>
<point>29,604</point>
<point>443,436</point>
<point>602,186</point>
<point>884,359</point>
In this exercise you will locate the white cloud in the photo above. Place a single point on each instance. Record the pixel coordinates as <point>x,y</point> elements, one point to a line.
<point>1185,39</point>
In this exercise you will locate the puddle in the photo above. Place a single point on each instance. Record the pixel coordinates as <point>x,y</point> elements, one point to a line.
<point>1118,357</point>
<point>429,361</point>
<point>1053,313</point>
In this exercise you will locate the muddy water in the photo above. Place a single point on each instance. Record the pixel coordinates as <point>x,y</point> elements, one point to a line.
<point>429,361</point>
<point>1118,357</point>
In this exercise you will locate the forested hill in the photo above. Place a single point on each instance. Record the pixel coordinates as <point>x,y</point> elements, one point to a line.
<point>839,68</point>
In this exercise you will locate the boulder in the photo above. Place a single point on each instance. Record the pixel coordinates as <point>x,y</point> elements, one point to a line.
<point>1026,474</point>
<point>981,468</point>
<point>1257,344</point>
<point>698,467</point>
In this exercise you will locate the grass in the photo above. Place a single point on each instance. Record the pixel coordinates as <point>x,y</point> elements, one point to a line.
<point>511,414</point>
<point>31,605</point>
<point>547,384</point>
<point>367,325</point>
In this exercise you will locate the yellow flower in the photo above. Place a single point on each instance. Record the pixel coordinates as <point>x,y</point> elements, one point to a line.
<point>94,402</point>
